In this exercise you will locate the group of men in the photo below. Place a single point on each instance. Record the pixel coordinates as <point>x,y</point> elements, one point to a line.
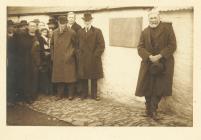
<point>75,59</point>
<point>61,62</point>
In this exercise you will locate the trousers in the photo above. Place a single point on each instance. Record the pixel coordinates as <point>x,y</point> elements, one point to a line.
<point>152,102</point>
<point>85,90</point>
<point>61,89</point>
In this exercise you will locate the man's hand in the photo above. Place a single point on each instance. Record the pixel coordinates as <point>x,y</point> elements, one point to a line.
<point>155,58</point>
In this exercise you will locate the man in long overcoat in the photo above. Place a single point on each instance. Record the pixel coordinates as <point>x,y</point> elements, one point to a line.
<point>28,51</point>
<point>91,45</point>
<point>11,63</point>
<point>156,47</point>
<point>63,58</point>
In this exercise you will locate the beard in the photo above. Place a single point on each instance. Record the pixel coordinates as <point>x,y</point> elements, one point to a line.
<point>154,25</point>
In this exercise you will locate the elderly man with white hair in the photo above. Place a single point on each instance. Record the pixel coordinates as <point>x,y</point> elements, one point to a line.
<point>156,47</point>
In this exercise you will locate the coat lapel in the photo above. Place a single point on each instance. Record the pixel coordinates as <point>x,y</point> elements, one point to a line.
<point>160,30</point>
<point>149,37</point>
<point>90,32</point>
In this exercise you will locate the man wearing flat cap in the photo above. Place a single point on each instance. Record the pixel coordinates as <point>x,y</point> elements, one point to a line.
<point>90,45</point>
<point>63,58</point>
<point>156,47</point>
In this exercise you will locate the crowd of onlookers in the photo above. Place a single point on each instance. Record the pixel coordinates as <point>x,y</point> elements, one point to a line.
<point>20,38</point>
<point>54,59</point>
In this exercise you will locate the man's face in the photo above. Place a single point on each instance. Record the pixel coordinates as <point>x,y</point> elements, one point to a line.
<point>10,30</point>
<point>23,28</point>
<point>87,23</point>
<point>32,27</point>
<point>62,26</point>
<point>50,33</point>
<point>51,26</point>
<point>71,19</point>
<point>44,33</point>
<point>154,20</point>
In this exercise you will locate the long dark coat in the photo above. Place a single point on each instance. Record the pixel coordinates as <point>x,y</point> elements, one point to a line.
<point>165,45</point>
<point>76,27</point>
<point>91,45</point>
<point>11,66</point>
<point>28,52</point>
<point>63,56</point>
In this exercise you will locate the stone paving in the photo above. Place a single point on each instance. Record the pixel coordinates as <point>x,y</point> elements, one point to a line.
<point>106,112</point>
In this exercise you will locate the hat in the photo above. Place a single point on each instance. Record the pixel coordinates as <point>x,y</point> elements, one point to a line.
<point>10,23</point>
<point>23,23</point>
<point>156,68</point>
<point>62,19</point>
<point>87,16</point>
<point>52,21</point>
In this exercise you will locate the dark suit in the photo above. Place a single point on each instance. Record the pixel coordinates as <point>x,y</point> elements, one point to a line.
<point>76,27</point>
<point>90,45</point>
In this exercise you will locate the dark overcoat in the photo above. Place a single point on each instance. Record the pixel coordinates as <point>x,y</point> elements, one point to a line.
<point>28,51</point>
<point>63,56</point>
<point>76,27</point>
<point>11,66</point>
<point>165,45</point>
<point>90,45</point>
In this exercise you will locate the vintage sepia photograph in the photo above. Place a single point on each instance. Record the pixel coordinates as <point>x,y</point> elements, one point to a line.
<point>94,66</point>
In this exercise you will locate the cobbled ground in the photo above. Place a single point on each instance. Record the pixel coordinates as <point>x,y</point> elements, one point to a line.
<point>106,112</point>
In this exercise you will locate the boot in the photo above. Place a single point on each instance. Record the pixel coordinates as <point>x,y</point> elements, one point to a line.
<point>155,116</point>
<point>148,112</point>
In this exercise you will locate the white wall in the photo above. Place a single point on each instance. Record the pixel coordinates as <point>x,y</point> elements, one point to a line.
<point>121,65</point>
<point>182,99</point>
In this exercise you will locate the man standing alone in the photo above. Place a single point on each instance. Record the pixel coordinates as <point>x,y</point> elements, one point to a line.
<point>63,58</point>
<point>156,47</point>
<point>91,45</point>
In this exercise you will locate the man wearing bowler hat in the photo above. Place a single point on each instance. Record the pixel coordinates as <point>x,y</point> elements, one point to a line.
<point>90,45</point>
<point>63,57</point>
<point>156,47</point>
